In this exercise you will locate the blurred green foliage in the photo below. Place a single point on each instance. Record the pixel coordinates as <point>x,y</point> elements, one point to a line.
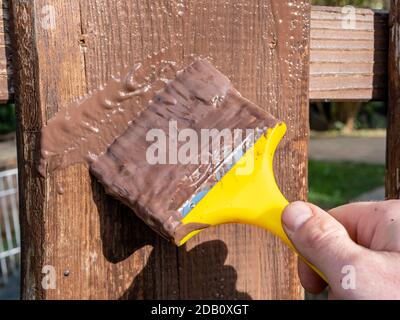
<point>335,183</point>
<point>372,116</point>
<point>333,116</point>
<point>7,118</point>
<point>374,4</point>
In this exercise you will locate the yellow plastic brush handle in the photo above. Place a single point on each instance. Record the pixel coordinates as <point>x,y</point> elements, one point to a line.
<point>248,193</point>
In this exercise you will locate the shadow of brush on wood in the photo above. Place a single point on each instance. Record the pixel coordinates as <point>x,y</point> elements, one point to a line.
<point>216,287</point>
<point>123,235</point>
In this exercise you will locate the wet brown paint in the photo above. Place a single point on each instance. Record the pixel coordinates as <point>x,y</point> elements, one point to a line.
<point>85,128</point>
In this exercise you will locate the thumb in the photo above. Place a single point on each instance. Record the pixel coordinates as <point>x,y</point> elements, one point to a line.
<point>320,239</point>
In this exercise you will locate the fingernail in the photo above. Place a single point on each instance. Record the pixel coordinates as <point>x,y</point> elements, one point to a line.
<point>295,215</point>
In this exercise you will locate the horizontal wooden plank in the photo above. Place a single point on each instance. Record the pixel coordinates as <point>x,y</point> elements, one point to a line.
<point>348,58</point>
<point>357,68</point>
<point>348,61</point>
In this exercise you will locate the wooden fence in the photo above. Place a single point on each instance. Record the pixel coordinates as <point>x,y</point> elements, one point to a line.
<point>96,247</point>
<point>346,62</point>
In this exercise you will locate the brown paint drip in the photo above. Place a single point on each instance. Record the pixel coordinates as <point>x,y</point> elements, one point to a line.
<point>200,97</point>
<point>59,189</point>
<point>85,128</point>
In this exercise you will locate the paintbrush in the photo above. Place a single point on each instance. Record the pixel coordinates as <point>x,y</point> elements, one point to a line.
<point>199,155</point>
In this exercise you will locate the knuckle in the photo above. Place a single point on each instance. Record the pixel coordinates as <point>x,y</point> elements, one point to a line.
<point>391,214</point>
<point>318,233</point>
<point>389,208</point>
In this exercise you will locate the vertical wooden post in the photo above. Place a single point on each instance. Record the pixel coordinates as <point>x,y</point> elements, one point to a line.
<point>80,243</point>
<point>393,132</point>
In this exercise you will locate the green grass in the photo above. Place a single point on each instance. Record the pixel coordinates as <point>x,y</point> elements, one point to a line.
<point>336,183</point>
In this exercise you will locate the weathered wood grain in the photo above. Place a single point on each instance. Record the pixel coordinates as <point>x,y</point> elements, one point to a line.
<point>348,59</point>
<point>28,125</point>
<point>393,131</point>
<point>98,248</point>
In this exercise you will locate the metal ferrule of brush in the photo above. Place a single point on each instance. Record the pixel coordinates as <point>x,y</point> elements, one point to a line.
<point>221,169</point>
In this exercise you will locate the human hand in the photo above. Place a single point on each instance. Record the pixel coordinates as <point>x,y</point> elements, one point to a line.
<point>356,246</point>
